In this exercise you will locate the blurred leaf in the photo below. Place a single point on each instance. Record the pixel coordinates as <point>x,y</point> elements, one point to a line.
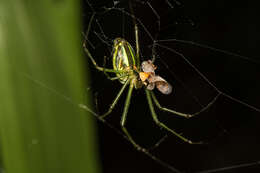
<point>41,82</point>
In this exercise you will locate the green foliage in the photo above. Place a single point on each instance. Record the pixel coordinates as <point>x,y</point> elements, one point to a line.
<point>41,82</point>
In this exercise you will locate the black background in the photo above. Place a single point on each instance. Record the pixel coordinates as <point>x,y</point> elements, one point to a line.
<point>229,129</point>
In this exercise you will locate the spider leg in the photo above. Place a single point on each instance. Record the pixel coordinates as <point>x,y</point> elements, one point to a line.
<point>168,110</point>
<point>123,119</point>
<point>137,44</point>
<point>160,124</point>
<point>118,77</point>
<point>115,100</point>
<point>136,36</point>
<point>96,65</point>
<point>104,65</point>
<point>89,54</point>
<point>108,76</point>
<point>180,113</point>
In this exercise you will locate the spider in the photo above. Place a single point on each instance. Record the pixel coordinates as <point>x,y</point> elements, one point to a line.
<point>129,72</point>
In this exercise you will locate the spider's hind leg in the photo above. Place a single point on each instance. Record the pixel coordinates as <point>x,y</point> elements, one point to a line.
<point>160,124</point>
<point>168,110</point>
<point>184,114</point>
<point>123,119</point>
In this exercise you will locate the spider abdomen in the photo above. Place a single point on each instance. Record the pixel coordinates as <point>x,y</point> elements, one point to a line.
<point>124,59</point>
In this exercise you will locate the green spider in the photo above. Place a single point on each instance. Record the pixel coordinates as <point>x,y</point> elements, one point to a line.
<point>126,66</point>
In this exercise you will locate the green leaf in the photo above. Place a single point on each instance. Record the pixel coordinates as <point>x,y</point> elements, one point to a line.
<point>42,81</point>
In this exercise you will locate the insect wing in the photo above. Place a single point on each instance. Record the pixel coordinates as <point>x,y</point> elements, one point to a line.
<point>164,87</point>
<point>161,84</point>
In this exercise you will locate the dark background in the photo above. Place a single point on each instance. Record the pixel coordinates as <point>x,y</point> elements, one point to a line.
<point>229,129</point>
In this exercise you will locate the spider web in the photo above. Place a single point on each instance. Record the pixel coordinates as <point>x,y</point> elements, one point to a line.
<point>199,74</point>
